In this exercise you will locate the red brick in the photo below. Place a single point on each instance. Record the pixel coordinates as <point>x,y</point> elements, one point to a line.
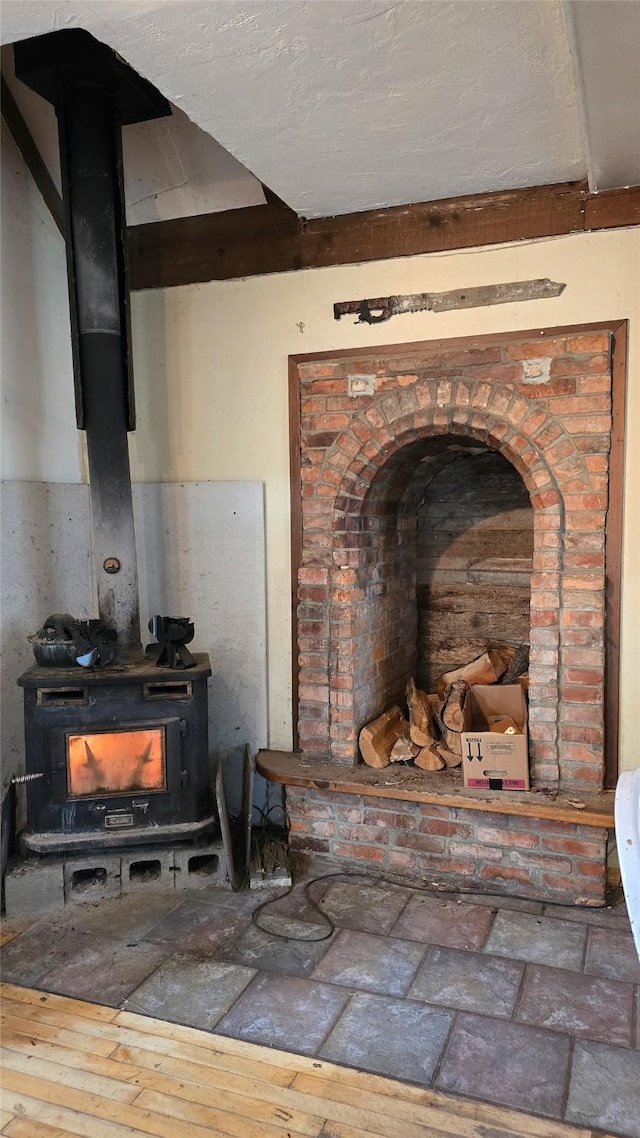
<point>582,618</point>
<point>590,868</point>
<point>584,560</point>
<point>361,853</point>
<point>580,753</point>
<point>329,387</point>
<point>540,349</point>
<point>505,873</point>
<point>575,734</point>
<point>313,693</point>
<point>541,860</point>
<point>312,576</point>
<point>391,819</point>
<point>549,435</point>
<point>474,852</point>
<point>362,833</point>
<point>317,371</point>
<point>401,859</point>
<point>568,365</point>
<point>471,357</point>
<point>313,845</point>
<point>583,676</point>
<point>544,617</point>
<point>583,657</point>
<point>583,694</point>
<point>548,389</point>
<point>440,826</point>
<point>581,775</point>
<point>424,842</point>
<point>584,715</point>
<point>574,847</point>
<point>597,462</point>
<point>589,342</point>
<point>588,424</point>
<point>594,385</point>
<point>503,837</point>
<point>544,498</point>
<point>569,887</point>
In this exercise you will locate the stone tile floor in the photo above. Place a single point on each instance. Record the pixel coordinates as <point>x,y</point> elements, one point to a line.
<point>514,1002</point>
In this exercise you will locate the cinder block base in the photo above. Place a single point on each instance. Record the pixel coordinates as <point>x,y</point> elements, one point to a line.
<point>91,878</point>
<point>201,867</point>
<point>147,869</point>
<point>33,887</point>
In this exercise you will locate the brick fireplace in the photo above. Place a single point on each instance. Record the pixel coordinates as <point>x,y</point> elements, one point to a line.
<point>386,442</point>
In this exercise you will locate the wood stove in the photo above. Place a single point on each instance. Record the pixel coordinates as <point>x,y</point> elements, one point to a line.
<point>118,757</point>
<point>115,755</point>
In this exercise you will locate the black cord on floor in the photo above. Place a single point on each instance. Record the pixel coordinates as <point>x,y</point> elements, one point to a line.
<point>397,882</point>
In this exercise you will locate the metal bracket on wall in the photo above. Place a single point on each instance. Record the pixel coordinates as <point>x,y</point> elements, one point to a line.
<point>376,311</point>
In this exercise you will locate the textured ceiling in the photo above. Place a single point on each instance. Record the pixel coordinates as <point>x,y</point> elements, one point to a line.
<point>346,105</point>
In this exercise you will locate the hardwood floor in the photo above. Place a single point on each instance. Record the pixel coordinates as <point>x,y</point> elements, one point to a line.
<point>75,1068</point>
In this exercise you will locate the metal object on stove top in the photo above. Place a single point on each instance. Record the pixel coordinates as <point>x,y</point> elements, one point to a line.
<point>173,633</point>
<point>63,642</point>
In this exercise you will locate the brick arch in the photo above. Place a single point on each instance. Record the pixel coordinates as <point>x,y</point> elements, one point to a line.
<point>519,422</point>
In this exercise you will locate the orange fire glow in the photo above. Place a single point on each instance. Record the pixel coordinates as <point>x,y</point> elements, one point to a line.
<point>114,762</point>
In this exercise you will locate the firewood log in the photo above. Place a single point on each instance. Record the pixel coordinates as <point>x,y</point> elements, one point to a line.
<point>403,749</point>
<point>378,737</point>
<point>453,742</point>
<point>453,709</point>
<point>422,729</point>
<point>449,757</point>
<point>486,669</point>
<point>428,759</point>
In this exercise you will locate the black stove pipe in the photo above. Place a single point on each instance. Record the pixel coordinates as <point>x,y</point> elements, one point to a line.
<point>94,206</point>
<point>94,92</point>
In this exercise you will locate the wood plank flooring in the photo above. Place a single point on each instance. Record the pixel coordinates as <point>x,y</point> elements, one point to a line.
<point>75,1068</point>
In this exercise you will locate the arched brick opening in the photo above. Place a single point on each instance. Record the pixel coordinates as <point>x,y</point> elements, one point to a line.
<point>356,452</point>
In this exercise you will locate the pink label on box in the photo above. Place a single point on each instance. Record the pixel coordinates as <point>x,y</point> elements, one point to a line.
<point>482,783</point>
<point>513,784</point>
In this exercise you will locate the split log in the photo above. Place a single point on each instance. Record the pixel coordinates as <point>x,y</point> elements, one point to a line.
<point>428,759</point>
<point>449,757</point>
<point>453,742</point>
<point>436,713</point>
<point>486,669</point>
<point>403,749</point>
<point>517,665</point>
<point>453,710</point>
<point>422,729</point>
<point>378,737</point>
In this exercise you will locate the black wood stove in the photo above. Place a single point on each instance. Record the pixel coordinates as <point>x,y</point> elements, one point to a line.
<point>115,754</point>
<point>118,757</point>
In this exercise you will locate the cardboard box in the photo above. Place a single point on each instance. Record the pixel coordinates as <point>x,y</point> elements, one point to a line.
<point>492,760</point>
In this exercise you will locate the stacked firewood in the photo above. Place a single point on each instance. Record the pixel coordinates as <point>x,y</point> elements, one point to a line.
<point>429,734</point>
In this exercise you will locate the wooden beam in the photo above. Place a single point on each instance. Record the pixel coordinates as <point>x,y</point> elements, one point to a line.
<point>285,220</point>
<point>33,159</point>
<point>242,242</point>
<point>613,209</point>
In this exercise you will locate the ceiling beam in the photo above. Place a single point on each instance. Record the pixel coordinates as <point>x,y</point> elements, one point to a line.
<point>246,242</point>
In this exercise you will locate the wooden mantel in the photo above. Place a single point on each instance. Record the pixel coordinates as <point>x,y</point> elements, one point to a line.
<point>443,788</point>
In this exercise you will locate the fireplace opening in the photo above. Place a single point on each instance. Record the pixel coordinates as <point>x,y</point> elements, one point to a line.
<point>446,552</point>
<point>474,559</point>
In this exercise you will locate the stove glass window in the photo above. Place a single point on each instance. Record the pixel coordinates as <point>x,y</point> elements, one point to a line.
<point>116,762</point>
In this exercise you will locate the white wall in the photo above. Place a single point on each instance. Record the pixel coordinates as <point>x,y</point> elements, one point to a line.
<point>39,438</point>
<point>211,382</point>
